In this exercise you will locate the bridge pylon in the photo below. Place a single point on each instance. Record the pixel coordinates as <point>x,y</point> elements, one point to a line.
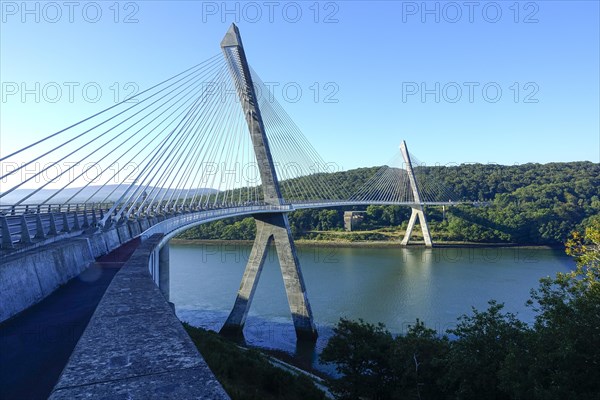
<point>417,209</point>
<point>271,228</point>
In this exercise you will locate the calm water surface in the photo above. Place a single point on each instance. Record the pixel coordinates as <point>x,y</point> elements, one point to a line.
<point>390,285</point>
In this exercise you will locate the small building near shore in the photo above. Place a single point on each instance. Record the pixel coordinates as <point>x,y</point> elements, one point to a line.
<point>353,219</point>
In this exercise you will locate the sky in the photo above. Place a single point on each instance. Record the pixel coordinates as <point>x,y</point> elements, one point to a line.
<point>502,82</point>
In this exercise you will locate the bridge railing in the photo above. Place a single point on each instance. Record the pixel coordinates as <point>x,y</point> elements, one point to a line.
<point>171,226</point>
<point>23,225</point>
<point>26,228</point>
<point>12,210</point>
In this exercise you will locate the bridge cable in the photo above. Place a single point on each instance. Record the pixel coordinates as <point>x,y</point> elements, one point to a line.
<point>109,153</point>
<point>74,151</point>
<point>107,109</point>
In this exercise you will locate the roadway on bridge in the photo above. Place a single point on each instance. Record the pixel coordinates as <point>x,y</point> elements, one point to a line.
<point>36,345</point>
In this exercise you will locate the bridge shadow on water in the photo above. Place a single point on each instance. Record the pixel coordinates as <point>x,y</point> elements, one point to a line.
<point>36,344</point>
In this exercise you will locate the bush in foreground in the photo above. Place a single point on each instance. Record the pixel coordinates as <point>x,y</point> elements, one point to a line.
<point>247,374</point>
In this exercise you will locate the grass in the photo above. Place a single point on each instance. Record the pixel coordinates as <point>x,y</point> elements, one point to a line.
<point>247,374</point>
<point>372,235</point>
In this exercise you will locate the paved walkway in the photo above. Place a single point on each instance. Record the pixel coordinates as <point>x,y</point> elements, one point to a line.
<point>134,347</point>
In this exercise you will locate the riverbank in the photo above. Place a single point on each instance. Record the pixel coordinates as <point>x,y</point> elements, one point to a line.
<point>366,243</point>
<point>248,374</point>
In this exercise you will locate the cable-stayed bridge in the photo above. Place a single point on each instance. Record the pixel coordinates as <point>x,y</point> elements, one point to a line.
<point>211,142</point>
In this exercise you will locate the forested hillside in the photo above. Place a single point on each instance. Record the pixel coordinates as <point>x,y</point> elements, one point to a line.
<point>526,204</point>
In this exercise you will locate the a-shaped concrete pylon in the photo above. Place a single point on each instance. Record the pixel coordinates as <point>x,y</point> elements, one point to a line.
<point>417,208</point>
<point>271,228</point>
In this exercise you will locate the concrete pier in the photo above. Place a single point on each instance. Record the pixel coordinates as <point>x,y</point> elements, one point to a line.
<point>417,212</point>
<point>273,228</point>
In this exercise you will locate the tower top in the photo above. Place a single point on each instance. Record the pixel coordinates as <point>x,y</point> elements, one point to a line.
<point>232,37</point>
<point>403,145</point>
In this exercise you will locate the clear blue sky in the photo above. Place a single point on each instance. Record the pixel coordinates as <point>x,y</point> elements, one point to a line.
<point>371,58</point>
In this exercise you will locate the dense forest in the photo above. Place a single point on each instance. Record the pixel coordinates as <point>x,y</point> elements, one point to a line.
<point>524,204</point>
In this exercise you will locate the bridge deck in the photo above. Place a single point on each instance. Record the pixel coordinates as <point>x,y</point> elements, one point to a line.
<point>22,229</point>
<point>134,345</point>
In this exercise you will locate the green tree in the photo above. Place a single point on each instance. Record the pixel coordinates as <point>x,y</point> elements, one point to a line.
<point>361,352</point>
<point>375,213</point>
<point>375,365</point>
<point>567,339</point>
<point>418,363</point>
<point>483,341</point>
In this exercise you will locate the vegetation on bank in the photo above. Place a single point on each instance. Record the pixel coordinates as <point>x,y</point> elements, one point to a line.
<point>247,374</point>
<point>492,355</point>
<point>538,204</point>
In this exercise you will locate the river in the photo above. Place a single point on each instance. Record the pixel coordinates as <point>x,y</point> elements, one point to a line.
<point>390,285</point>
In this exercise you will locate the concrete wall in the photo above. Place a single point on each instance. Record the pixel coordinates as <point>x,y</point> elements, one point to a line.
<point>28,277</point>
<point>134,228</point>
<point>135,347</point>
<point>111,237</point>
<point>123,233</point>
<point>98,245</point>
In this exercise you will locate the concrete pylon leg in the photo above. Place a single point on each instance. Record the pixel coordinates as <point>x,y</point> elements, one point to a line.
<point>237,318</point>
<point>274,227</point>
<point>417,212</point>
<point>409,228</point>
<point>293,280</point>
<point>424,228</point>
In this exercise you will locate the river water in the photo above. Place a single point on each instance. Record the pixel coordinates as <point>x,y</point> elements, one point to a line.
<point>390,285</point>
